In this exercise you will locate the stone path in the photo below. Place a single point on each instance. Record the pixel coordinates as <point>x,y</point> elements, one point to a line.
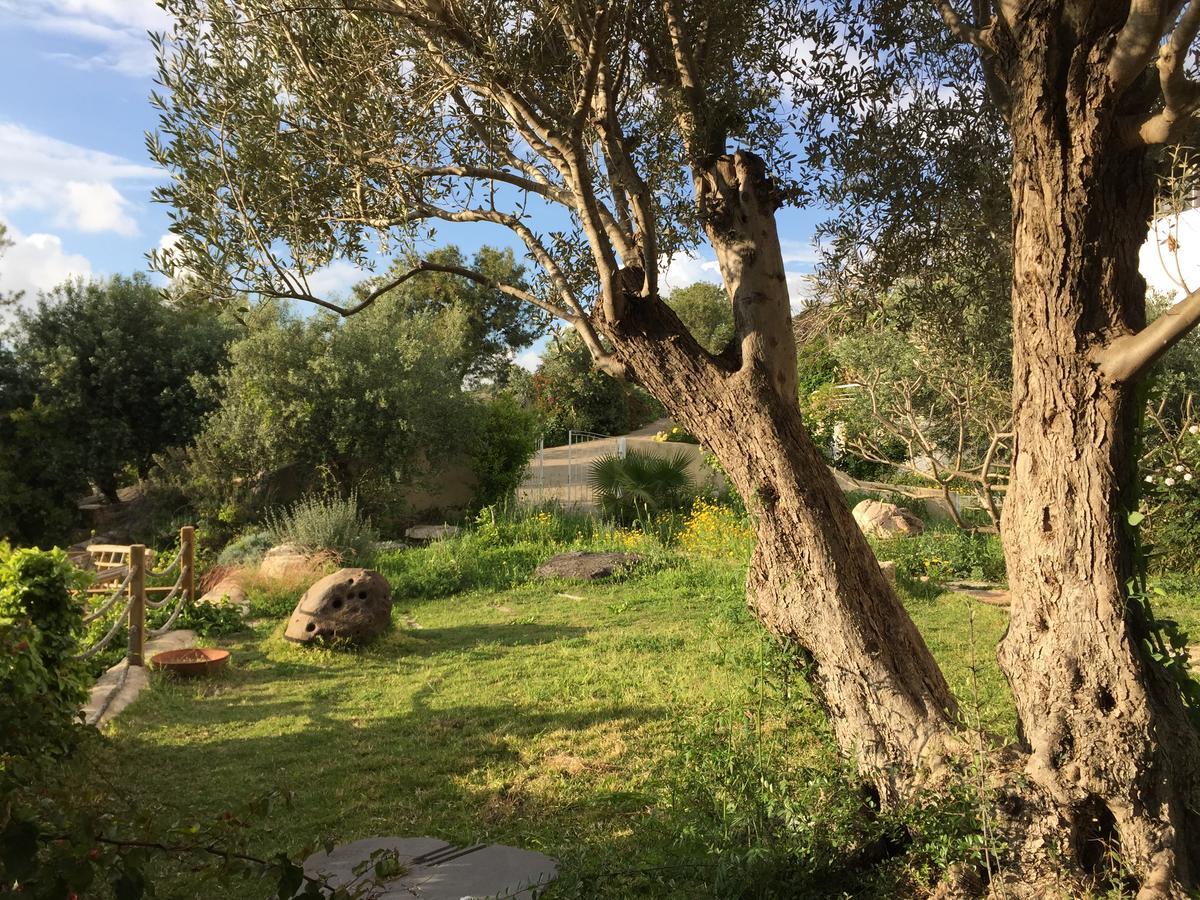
<point>120,685</point>
<point>435,870</point>
<point>981,592</point>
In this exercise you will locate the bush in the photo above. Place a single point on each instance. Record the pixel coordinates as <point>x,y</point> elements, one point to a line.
<point>42,684</point>
<point>942,555</point>
<point>675,435</point>
<point>502,442</point>
<point>640,484</point>
<point>1170,501</point>
<point>246,550</point>
<point>323,525</point>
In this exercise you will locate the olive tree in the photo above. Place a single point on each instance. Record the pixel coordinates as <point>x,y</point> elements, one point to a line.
<point>604,136</point>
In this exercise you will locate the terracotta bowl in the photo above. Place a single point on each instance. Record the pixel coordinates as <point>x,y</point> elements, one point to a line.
<point>192,662</point>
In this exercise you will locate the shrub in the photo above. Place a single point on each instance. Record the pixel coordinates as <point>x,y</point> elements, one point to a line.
<point>247,549</point>
<point>675,435</point>
<point>641,484</point>
<point>502,442</point>
<point>42,684</point>
<point>1170,501</point>
<point>941,555</point>
<point>323,525</point>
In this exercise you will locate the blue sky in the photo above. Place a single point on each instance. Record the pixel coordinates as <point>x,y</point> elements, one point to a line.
<point>75,178</point>
<point>74,175</point>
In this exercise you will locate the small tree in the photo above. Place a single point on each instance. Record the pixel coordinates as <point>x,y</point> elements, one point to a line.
<point>705,311</point>
<point>497,324</point>
<point>316,403</point>
<point>952,421</point>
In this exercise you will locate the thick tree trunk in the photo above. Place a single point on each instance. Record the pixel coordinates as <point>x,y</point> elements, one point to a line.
<point>1111,749</point>
<point>813,578</point>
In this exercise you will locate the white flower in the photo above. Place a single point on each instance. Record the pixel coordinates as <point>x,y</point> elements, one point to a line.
<point>1187,477</point>
<point>1168,481</point>
<point>1194,429</point>
<point>1179,468</point>
<point>1149,479</point>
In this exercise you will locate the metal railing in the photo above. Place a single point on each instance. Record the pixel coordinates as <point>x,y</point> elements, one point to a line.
<point>132,564</point>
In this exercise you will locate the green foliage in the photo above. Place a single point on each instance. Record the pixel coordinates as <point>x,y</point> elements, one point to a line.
<point>942,555</point>
<point>331,525</point>
<point>707,312</point>
<point>641,484</point>
<point>247,549</point>
<point>324,404</point>
<point>118,361</point>
<point>43,686</point>
<point>570,394</point>
<point>503,438</point>
<point>211,619</point>
<point>1169,469</point>
<point>497,324</point>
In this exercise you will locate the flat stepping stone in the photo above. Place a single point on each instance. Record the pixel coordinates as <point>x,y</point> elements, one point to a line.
<point>121,684</point>
<point>436,870</point>
<point>583,566</point>
<point>984,594</point>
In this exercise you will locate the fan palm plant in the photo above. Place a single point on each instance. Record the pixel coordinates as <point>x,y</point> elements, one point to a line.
<point>641,484</point>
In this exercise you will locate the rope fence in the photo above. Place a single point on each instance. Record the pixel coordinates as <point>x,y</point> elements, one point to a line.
<point>130,564</point>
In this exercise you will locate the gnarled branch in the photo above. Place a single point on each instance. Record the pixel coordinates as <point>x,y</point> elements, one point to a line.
<point>1127,357</point>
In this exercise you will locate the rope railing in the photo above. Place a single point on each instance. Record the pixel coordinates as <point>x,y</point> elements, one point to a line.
<point>169,567</point>
<point>111,601</point>
<point>118,621</point>
<point>175,589</point>
<point>133,587</point>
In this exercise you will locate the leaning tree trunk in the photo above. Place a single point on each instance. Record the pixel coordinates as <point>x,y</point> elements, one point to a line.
<point>1111,750</point>
<point>813,578</point>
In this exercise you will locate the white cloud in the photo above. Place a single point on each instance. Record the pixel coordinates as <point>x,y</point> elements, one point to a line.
<point>336,279</point>
<point>685,269</point>
<point>1170,258</point>
<point>115,30</point>
<point>75,185</point>
<point>96,206</point>
<point>530,360</point>
<point>38,262</point>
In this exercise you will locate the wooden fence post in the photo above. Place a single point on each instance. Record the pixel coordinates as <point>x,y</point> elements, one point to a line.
<point>187,562</point>
<point>137,606</point>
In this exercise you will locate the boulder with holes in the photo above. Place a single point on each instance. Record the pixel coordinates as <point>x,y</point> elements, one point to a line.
<point>351,604</point>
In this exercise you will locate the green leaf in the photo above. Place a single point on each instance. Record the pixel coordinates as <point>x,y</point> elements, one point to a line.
<point>1136,518</point>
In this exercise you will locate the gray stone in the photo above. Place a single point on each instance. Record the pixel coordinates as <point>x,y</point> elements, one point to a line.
<point>227,591</point>
<point>121,684</point>
<point>583,566</point>
<point>284,561</point>
<point>880,519</point>
<point>888,568</point>
<point>354,604</point>
<point>435,870</point>
<point>430,532</point>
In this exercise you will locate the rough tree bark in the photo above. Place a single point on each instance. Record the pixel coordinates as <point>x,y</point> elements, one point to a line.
<point>813,578</point>
<point>1110,745</point>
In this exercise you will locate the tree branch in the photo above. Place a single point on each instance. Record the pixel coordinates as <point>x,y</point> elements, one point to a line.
<point>1127,357</point>
<point>1137,42</point>
<point>1181,95</point>
<point>418,268</point>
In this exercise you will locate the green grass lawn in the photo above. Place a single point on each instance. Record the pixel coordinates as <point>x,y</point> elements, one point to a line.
<point>642,731</point>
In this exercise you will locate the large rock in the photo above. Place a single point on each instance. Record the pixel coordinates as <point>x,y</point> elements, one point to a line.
<point>430,532</point>
<point>586,566</point>
<point>284,561</point>
<point>881,519</point>
<point>353,604</point>
<point>227,591</point>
